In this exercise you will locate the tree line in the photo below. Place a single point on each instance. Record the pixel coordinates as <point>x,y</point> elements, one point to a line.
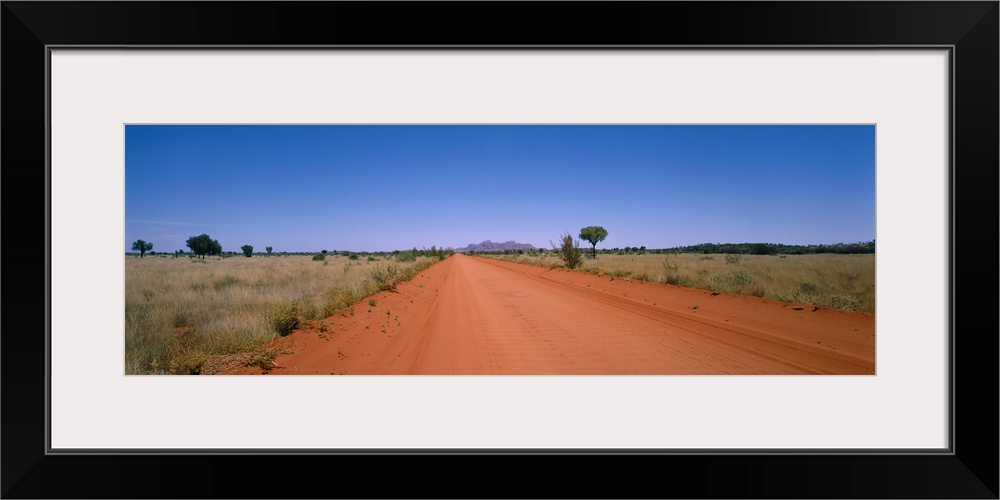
<point>203,245</point>
<point>775,248</point>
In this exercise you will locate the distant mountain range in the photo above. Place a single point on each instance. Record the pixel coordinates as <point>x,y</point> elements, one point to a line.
<point>489,246</point>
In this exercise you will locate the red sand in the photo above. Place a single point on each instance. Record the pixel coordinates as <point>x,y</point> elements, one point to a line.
<point>470,316</point>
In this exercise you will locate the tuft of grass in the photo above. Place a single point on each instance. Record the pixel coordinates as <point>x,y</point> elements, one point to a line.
<point>181,319</point>
<point>371,302</point>
<point>224,282</point>
<point>732,279</point>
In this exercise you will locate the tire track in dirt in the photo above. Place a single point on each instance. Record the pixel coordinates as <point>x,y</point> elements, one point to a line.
<point>469,315</point>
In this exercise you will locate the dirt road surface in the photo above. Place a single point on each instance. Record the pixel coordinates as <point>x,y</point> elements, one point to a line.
<point>478,316</point>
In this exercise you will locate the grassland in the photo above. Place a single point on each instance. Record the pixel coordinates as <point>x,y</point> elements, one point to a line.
<point>845,282</point>
<point>189,315</point>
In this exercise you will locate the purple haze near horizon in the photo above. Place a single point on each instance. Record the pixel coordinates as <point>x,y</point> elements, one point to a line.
<point>381,188</point>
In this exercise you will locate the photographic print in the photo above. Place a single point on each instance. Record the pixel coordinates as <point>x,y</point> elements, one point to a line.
<point>576,249</point>
<point>83,79</point>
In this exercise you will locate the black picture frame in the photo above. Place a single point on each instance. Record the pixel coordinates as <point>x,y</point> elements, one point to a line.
<point>970,470</point>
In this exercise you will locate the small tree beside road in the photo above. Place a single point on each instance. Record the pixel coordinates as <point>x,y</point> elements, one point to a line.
<point>568,251</point>
<point>595,235</point>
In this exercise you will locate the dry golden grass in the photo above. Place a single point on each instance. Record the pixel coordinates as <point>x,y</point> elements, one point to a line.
<point>184,314</point>
<point>845,282</point>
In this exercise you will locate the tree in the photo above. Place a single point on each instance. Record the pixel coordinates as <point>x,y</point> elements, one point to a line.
<point>568,251</point>
<point>142,247</point>
<point>594,234</point>
<point>268,250</point>
<point>203,245</point>
<point>247,250</point>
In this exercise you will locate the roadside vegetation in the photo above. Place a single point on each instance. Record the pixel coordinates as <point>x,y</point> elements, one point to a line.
<point>843,281</point>
<point>187,314</point>
<point>568,250</point>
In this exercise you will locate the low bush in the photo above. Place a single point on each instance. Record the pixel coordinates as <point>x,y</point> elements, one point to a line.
<point>732,279</point>
<point>384,277</point>
<point>568,251</point>
<point>284,319</point>
<point>337,300</point>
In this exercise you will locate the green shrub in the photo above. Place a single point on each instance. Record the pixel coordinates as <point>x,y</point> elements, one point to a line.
<point>568,251</point>
<point>371,259</point>
<point>385,277</point>
<point>353,256</point>
<point>285,318</point>
<point>319,256</point>
<point>337,299</point>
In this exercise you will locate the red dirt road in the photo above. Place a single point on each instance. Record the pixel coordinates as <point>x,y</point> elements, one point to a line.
<point>470,316</point>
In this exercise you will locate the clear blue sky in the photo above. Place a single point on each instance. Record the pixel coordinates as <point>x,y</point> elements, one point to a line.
<point>379,188</point>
